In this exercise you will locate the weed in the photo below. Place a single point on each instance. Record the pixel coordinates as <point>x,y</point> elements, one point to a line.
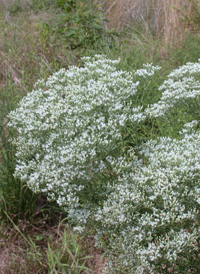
<point>79,27</point>
<point>70,258</point>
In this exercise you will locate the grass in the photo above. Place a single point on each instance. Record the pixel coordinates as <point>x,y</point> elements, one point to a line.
<point>35,241</point>
<point>38,247</point>
<point>165,19</point>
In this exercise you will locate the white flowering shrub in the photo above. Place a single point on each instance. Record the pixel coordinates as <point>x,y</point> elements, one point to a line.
<point>153,212</point>
<point>72,146</point>
<point>68,126</point>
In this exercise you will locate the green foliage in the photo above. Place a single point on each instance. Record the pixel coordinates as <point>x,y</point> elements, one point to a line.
<point>188,51</point>
<point>19,6</point>
<point>79,27</point>
<point>39,5</point>
<point>69,257</point>
<point>15,7</point>
<point>67,5</point>
<point>15,198</point>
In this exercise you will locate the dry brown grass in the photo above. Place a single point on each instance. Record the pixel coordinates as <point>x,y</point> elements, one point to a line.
<point>166,19</point>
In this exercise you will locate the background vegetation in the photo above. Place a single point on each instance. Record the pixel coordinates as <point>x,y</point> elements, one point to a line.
<point>36,39</point>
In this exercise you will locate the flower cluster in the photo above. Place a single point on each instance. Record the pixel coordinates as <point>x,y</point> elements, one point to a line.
<point>150,208</point>
<point>148,70</point>
<point>71,147</point>
<point>183,84</point>
<point>68,126</point>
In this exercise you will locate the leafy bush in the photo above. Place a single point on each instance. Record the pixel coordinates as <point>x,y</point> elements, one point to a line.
<point>80,26</point>
<point>77,143</point>
<point>153,212</point>
<point>68,127</point>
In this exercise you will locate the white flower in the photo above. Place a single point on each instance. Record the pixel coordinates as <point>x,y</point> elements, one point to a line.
<point>72,149</point>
